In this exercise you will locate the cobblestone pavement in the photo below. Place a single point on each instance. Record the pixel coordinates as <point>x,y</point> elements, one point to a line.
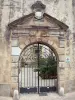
<point>50,96</point>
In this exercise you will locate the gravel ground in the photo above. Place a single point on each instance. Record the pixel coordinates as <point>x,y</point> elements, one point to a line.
<point>50,96</point>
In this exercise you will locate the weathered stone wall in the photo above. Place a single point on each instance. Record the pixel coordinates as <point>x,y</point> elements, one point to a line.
<point>10,10</point>
<point>69,65</point>
<point>13,9</point>
<point>73,42</point>
<point>73,9</point>
<point>5,69</point>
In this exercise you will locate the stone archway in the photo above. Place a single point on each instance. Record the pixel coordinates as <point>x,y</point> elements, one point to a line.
<point>54,46</point>
<point>51,83</point>
<point>47,30</point>
<point>43,36</point>
<point>40,27</point>
<point>53,42</point>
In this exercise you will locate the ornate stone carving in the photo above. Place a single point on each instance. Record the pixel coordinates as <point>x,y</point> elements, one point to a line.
<point>38,5</point>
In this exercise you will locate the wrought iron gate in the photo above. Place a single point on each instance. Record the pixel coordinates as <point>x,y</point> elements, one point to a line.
<point>38,69</point>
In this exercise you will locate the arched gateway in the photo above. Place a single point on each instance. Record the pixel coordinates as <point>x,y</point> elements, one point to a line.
<point>39,38</point>
<point>38,69</point>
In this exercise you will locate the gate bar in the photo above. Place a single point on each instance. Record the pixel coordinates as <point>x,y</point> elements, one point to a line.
<point>38,67</point>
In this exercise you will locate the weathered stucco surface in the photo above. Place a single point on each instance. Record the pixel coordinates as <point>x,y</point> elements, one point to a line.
<point>13,9</point>
<point>64,11</point>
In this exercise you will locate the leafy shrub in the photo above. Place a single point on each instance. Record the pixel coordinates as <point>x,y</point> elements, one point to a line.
<point>48,67</point>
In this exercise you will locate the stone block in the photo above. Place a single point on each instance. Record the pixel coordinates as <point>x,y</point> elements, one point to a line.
<point>61,51</point>
<point>15,59</point>
<point>61,91</point>
<point>14,65</point>
<point>16,95</point>
<point>14,79</point>
<point>14,42</point>
<point>62,58</point>
<point>14,72</point>
<point>61,77</point>
<point>69,85</point>
<point>62,44</point>
<point>13,87</point>
<point>5,90</point>
<point>62,64</point>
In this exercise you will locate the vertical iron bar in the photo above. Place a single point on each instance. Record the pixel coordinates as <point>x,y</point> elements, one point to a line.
<point>41,82</point>
<point>27,76</point>
<point>38,67</point>
<point>18,78</point>
<point>35,77</point>
<point>24,75</point>
<point>46,79</point>
<point>21,76</point>
<point>32,75</point>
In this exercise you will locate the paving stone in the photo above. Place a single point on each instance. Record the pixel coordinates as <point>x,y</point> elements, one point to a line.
<point>51,96</point>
